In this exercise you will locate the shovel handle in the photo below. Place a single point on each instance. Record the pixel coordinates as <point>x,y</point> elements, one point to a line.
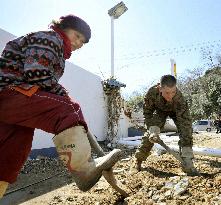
<point>160,142</point>
<point>108,175</point>
<point>94,144</point>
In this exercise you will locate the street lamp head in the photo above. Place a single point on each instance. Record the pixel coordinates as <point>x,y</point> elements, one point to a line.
<point>117,10</point>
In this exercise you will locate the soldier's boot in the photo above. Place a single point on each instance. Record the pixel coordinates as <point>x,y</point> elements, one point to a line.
<point>3,188</point>
<point>74,150</point>
<point>187,164</point>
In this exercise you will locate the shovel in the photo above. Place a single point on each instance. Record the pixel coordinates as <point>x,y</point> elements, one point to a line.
<point>175,154</point>
<point>108,175</point>
<point>157,140</point>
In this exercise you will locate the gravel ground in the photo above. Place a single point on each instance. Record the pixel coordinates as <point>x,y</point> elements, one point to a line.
<point>161,181</point>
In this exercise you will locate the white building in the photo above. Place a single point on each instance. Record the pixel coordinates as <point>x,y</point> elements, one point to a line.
<point>86,88</point>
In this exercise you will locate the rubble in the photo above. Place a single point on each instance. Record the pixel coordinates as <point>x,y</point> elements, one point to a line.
<point>161,182</point>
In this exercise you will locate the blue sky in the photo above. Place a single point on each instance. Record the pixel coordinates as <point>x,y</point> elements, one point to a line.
<point>147,36</point>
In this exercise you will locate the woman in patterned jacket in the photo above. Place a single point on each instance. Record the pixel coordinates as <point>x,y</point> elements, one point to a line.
<point>31,97</point>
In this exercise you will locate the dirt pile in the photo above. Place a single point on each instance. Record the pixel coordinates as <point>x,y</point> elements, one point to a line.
<point>161,182</point>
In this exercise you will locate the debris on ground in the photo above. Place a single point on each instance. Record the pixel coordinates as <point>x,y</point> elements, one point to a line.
<point>160,182</point>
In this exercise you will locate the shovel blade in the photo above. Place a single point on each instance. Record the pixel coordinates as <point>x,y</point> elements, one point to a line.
<point>115,184</point>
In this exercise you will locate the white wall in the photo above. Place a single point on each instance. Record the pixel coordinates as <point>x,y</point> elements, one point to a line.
<point>85,88</point>
<point>4,38</point>
<point>124,123</point>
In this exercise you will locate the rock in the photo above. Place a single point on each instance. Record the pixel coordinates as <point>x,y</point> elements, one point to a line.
<point>70,199</point>
<point>217,198</point>
<point>162,199</point>
<point>181,186</point>
<point>159,152</point>
<point>210,196</point>
<point>123,181</point>
<point>169,185</point>
<point>149,202</point>
<point>156,197</point>
<point>168,194</point>
<point>118,171</point>
<point>175,178</point>
<point>150,193</point>
<point>183,197</point>
<point>126,159</point>
<point>218,179</point>
<point>99,189</point>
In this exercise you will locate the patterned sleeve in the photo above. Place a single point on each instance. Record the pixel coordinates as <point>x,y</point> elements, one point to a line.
<point>148,108</point>
<point>183,114</point>
<point>42,64</point>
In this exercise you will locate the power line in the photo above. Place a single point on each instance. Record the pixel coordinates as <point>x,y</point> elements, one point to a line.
<point>175,50</point>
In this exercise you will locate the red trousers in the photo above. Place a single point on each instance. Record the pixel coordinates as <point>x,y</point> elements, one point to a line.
<point>20,115</point>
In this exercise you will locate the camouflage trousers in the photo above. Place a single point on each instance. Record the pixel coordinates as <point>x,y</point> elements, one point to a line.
<point>144,150</point>
<point>159,119</point>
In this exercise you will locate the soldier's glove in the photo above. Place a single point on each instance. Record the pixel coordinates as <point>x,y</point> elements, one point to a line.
<point>154,134</point>
<point>187,164</point>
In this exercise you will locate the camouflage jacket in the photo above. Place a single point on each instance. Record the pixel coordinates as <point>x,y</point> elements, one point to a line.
<point>155,103</point>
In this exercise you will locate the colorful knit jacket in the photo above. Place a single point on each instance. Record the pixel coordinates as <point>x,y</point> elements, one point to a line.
<point>34,59</point>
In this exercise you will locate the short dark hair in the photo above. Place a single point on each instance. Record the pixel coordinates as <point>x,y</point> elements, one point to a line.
<point>168,80</point>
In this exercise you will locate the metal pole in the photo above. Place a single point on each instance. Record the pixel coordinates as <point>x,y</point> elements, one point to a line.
<point>112,46</point>
<point>172,63</point>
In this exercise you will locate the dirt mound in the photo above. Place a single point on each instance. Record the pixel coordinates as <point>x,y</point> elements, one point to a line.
<point>161,182</point>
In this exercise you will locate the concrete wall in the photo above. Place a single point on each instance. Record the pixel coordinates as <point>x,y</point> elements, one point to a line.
<point>4,38</point>
<point>87,89</point>
<point>124,124</point>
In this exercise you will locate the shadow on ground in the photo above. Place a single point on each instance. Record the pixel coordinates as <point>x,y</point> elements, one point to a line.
<point>26,189</point>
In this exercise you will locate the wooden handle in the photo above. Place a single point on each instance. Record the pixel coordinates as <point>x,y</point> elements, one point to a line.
<point>94,144</point>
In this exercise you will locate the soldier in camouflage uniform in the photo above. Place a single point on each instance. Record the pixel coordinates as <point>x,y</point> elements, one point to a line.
<point>162,101</point>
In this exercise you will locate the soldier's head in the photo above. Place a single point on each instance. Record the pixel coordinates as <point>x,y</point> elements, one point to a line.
<point>168,87</point>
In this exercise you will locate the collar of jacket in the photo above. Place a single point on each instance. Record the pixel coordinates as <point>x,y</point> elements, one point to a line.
<point>66,41</point>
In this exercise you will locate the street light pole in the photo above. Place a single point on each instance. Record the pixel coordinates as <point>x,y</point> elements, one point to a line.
<point>115,13</point>
<point>112,46</point>
<point>113,85</point>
